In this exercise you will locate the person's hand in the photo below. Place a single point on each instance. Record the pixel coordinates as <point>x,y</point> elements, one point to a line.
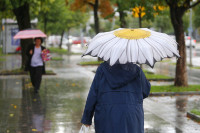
<point>31,52</point>
<point>44,50</point>
<point>86,125</point>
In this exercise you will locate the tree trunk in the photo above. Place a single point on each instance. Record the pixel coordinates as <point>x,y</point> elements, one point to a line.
<point>96,17</point>
<point>181,67</point>
<point>122,19</point>
<point>140,20</point>
<point>45,23</point>
<point>2,5</point>
<point>61,39</point>
<point>23,21</point>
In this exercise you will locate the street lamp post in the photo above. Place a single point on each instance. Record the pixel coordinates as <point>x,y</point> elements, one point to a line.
<point>190,35</point>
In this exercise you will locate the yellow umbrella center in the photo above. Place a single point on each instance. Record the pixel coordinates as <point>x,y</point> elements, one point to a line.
<point>132,33</point>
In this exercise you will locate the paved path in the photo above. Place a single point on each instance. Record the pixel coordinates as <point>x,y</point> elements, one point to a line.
<point>59,105</point>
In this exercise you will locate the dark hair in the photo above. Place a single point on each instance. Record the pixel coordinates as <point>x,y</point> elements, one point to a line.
<point>39,38</point>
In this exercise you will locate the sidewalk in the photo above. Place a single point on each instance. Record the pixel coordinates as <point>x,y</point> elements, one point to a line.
<point>60,103</point>
<point>168,114</point>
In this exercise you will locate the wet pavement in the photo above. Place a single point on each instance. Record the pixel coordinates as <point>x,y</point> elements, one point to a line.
<point>59,105</point>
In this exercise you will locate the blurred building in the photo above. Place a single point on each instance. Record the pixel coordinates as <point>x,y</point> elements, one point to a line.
<point>9,29</point>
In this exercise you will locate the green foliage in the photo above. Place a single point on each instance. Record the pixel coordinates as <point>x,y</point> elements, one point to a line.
<point>150,7</point>
<point>57,59</point>
<point>1,51</point>
<point>197,16</point>
<point>91,63</point>
<point>186,18</point>
<point>171,88</point>
<point>162,22</point>
<point>59,17</point>
<point>195,111</point>
<point>150,75</point>
<point>156,76</point>
<point>58,50</point>
<point>5,10</point>
<point>106,25</point>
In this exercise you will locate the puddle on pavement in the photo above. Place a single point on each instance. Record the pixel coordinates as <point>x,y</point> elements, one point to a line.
<point>59,105</point>
<point>56,109</point>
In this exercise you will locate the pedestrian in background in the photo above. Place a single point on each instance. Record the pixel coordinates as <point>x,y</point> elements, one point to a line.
<point>116,99</point>
<point>35,64</point>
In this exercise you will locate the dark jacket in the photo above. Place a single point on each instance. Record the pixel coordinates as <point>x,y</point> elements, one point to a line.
<point>28,63</point>
<point>116,97</point>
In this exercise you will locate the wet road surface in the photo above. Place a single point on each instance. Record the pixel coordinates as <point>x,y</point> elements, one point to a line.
<point>59,105</point>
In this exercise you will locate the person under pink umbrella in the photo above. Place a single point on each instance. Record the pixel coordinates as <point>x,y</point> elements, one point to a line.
<point>35,64</point>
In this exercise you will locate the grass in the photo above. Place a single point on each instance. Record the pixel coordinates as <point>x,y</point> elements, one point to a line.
<point>193,67</point>
<point>171,88</point>
<point>151,75</point>
<point>1,51</point>
<point>14,71</point>
<point>58,50</point>
<point>166,60</point>
<point>1,54</point>
<point>2,59</point>
<point>91,63</point>
<point>57,59</point>
<point>156,76</point>
<point>196,112</point>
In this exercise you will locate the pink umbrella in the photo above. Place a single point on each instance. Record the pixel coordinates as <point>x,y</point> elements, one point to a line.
<point>29,33</point>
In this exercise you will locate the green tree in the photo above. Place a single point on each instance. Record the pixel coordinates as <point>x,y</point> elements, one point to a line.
<point>122,8</point>
<point>5,11</point>
<point>21,12</point>
<point>161,22</point>
<point>98,6</point>
<point>60,19</point>
<point>146,10</point>
<point>177,10</point>
<point>197,18</point>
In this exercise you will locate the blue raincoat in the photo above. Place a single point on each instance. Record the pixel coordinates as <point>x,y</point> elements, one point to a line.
<point>116,99</point>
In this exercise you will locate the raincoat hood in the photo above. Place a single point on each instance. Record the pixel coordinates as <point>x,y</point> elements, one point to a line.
<point>120,74</point>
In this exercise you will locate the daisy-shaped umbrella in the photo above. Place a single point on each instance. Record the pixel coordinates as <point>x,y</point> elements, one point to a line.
<point>140,46</point>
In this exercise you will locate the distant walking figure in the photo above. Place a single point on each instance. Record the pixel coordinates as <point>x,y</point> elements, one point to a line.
<point>116,99</point>
<point>35,64</point>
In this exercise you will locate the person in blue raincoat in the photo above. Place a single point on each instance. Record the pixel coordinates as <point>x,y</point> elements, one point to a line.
<point>116,99</point>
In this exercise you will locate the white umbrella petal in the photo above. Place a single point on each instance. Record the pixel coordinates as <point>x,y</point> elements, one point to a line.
<point>141,59</point>
<point>156,55</point>
<point>102,34</point>
<point>106,57</point>
<point>133,45</point>
<point>164,49</point>
<point>134,50</point>
<point>99,41</point>
<point>95,51</point>
<point>163,36</point>
<point>128,51</point>
<point>146,49</point>
<point>123,59</point>
<point>168,47</point>
<point>104,49</point>
<point>166,38</point>
<point>117,50</point>
<point>156,46</point>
